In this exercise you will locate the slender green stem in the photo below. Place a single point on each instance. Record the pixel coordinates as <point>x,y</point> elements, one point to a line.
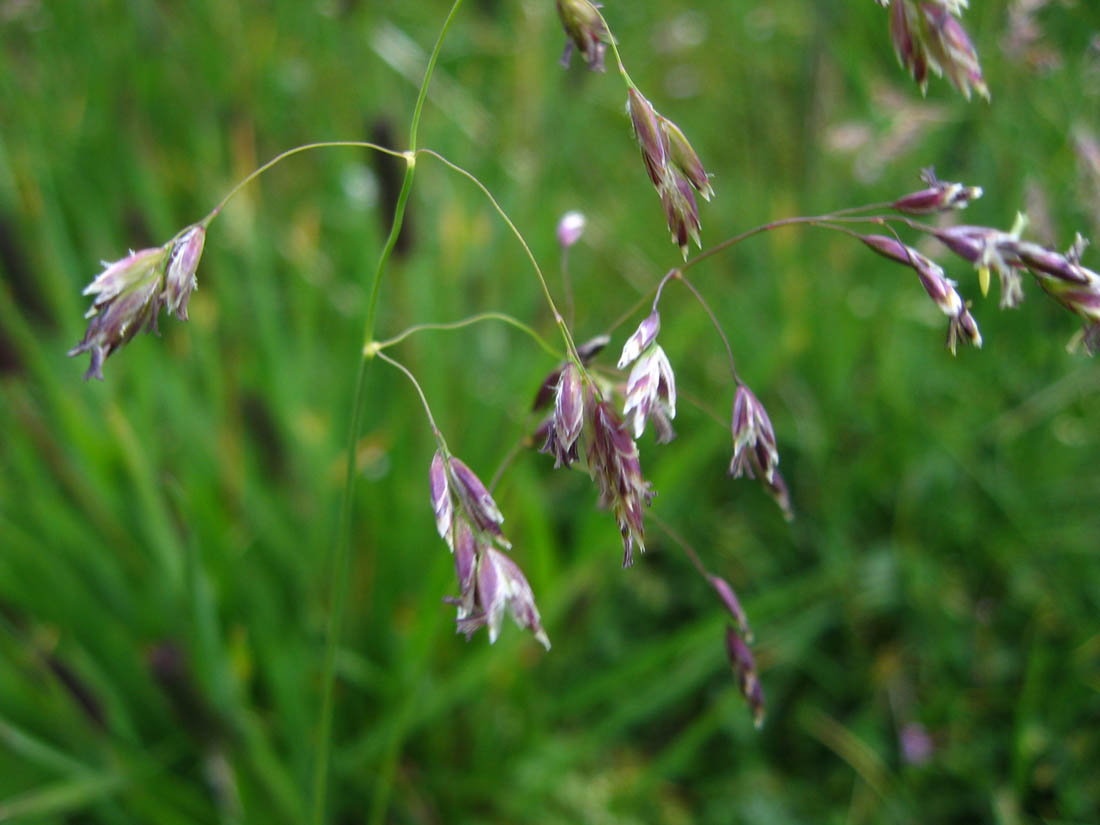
<point>393,362</point>
<point>558,319</point>
<point>821,221</point>
<point>714,320</point>
<point>465,322</point>
<point>615,51</point>
<point>327,144</point>
<point>341,557</point>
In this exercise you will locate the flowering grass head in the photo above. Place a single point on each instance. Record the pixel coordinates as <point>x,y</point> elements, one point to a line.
<point>127,299</point>
<point>129,294</point>
<point>961,324</point>
<point>673,167</point>
<point>927,35</point>
<point>651,387</point>
<point>614,465</point>
<point>490,583</point>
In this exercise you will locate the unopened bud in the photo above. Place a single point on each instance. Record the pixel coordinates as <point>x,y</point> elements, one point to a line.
<point>570,228</point>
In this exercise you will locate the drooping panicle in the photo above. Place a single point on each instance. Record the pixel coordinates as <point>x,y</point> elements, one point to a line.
<point>673,167</point>
<point>128,296</point>
<point>586,31</point>
<point>490,583</point>
<point>183,261</point>
<point>938,196</point>
<point>614,465</point>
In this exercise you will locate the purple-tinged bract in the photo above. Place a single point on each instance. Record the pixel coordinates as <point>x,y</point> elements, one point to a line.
<point>651,387</point>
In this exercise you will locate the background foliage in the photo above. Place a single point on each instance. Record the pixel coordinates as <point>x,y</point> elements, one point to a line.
<point>163,535</point>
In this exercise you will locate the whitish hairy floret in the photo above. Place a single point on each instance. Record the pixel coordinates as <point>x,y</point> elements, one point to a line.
<point>643,336</point>
<point>651,387</point>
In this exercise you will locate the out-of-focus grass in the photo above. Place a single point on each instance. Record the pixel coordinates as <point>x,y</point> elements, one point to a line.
<point>164,535</point>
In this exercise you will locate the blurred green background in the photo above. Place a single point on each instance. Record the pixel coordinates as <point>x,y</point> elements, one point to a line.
<point>927,628</point>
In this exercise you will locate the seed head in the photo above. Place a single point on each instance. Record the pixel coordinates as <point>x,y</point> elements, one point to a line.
<point>1066,280</point>
<point>615,467</point>
<point>489,582</point>
<point>128,298</point>
<point>549,386</point>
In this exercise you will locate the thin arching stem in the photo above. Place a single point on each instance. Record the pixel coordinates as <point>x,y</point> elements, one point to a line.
<point>393,362</point>
<point>714,321</point>
<point>615,51</point>
<point>327,144</point>
<point>558,319</point>
<point>465,322</point>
